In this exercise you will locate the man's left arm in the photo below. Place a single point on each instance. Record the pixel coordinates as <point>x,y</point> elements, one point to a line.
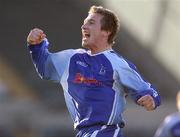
<point>140,90</point>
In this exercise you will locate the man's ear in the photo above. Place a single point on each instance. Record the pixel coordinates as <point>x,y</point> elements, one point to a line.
<point>106,33</point>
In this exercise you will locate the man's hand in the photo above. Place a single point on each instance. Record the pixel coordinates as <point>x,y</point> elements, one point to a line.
<point>35,36</point>
<point>147,102</point>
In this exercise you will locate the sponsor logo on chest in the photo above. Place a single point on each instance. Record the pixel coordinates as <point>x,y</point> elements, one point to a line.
<point>81,63</point>
<point>80,79</point>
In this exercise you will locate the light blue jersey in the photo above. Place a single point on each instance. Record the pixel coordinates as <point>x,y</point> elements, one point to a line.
<point>94,85</point>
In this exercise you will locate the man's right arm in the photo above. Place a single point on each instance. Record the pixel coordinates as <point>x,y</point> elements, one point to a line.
<point>38,47</point>
<point>48,65</point>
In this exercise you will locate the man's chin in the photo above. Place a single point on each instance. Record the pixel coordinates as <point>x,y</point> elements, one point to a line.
<point>84,45</point>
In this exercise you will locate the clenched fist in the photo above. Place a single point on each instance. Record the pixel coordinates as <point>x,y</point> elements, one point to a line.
<point>35,36</point>
<point>147,102</point>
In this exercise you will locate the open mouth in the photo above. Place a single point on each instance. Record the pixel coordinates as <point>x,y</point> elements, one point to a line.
<point>86,35</point>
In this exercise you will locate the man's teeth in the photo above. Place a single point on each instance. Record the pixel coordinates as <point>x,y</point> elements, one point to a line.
<point>87,35</point>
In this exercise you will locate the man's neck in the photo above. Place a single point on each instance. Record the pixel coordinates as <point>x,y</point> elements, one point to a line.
<point>99,50</point>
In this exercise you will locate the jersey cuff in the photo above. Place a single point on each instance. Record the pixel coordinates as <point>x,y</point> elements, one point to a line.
<point>154,95</point>
<point>35,47</point>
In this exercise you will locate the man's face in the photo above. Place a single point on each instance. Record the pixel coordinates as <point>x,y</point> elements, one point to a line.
<point>91,30</point>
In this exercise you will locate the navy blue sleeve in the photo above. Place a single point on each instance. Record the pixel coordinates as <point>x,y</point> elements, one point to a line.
<point>39,54</point>
<point>50,66</point>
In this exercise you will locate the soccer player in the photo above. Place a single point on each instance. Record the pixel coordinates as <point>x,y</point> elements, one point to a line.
<point>171,124</point>
<point>96,79</point>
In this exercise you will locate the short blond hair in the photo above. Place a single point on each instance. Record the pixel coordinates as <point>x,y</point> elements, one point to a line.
<point>109,22</point>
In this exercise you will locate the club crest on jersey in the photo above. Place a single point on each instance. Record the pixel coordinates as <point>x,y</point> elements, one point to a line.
<point>81,63</point>
<point>80,79</point>
<point>102,70</point>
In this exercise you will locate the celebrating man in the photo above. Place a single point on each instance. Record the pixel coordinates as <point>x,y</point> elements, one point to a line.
<point>96,79</point>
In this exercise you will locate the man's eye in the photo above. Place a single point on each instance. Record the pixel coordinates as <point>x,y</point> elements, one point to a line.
<point>91,22</point>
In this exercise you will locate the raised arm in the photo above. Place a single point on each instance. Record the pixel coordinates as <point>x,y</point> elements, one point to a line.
<point>38,47</point>
<point>49,66</point>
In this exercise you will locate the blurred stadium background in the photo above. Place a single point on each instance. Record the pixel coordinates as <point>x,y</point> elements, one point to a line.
<point>149,37</point>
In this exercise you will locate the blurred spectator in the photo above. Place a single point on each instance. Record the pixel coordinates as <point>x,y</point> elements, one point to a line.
<point>171,124</point>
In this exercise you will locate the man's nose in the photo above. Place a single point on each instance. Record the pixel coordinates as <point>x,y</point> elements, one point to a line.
<point>84,26</point>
